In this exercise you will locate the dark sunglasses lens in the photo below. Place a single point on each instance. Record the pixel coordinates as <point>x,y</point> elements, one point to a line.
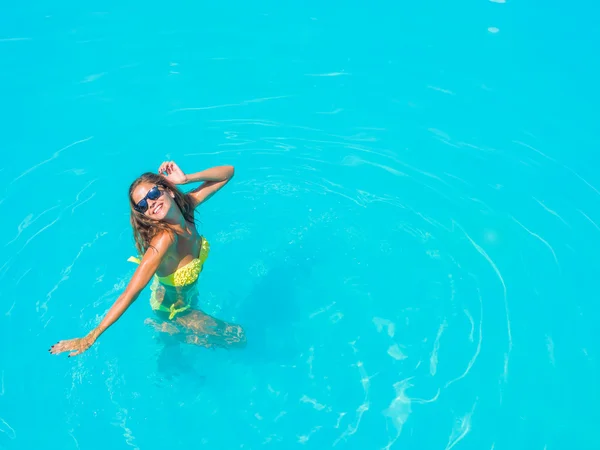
<point>153,193</point>
<point>142,206</point>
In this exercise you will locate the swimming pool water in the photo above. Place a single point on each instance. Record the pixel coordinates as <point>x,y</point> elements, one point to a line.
<point>410,240</point>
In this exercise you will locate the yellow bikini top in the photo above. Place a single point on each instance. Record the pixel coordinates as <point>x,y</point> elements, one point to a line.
<point>187,274</point>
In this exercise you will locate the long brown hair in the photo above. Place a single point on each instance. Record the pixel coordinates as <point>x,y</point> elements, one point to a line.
<point>145,229</point>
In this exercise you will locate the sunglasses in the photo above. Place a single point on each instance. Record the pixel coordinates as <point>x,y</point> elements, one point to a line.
<point>142,205</point>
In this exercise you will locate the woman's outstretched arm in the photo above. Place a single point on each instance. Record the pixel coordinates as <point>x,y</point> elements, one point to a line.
<point>148,267</point>
<point>212,179</point>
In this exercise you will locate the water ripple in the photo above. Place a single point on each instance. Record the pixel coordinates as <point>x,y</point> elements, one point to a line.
<point>592,187</point>
<point>461,430</point>
<point>15,39</point>
<point>230,105</point>
<point>328,74</point>
<point>550,347</point>
<point>7,429</point>
<point>508,327</point>
<point>38,233</point>
<point>431,400</point>
<point>542,240</point>
<point>55,155</point>
<point>535,150</point>
<point>399,409</point>
<point>66,273</point>
<point>364,406</point>
<point>433,360</point>
<point>26,222</point>
<point>472,322</point>
<point>479,341</point>
<point>315,404</point>
<point>439,89</point>
<point>588,218</point>
<point>552,212</point>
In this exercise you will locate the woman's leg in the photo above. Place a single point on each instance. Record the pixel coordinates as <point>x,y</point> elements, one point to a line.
<point>163,325</point>
<point>194,326</point>
<point>208,331</point>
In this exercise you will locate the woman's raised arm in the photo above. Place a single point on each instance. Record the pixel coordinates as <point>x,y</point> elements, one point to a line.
<point>212,179</point>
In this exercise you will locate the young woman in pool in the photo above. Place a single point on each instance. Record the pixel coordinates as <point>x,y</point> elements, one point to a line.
<point>173,252</point>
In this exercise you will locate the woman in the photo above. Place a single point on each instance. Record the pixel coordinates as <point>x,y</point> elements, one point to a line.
<point>173,252</point>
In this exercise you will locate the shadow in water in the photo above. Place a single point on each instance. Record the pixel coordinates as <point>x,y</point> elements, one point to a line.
<point>271,310</point>
<point>172,363</point>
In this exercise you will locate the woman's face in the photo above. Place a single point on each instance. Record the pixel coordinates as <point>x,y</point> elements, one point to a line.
<point>156,201</point>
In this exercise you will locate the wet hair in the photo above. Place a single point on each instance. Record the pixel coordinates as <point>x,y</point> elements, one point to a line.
<point>144,228</point>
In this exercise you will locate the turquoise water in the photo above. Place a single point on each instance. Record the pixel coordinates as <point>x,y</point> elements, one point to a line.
<point>409,241</point>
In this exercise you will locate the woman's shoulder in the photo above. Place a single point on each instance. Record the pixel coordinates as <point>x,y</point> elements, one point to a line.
<point>163,241</point>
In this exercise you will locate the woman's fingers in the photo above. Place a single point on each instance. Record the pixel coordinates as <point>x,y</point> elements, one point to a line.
<point>56,348</point>
<point>60,347</point>
<point>73,345</point>
<point>168,167</point>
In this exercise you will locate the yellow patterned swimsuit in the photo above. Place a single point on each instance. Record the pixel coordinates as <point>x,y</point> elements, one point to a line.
<point>179,289</point>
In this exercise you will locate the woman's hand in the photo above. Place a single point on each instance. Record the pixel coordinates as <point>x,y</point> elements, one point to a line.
<point>75,346</point>
<point>172,172</point>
